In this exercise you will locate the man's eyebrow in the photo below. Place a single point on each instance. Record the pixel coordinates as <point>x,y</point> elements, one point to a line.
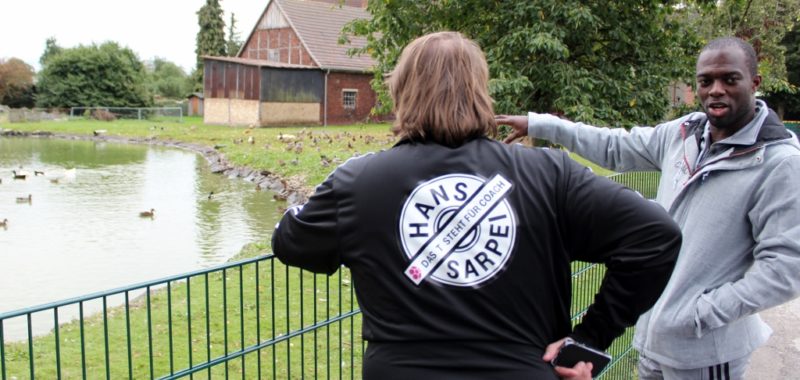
<point>725,74</point>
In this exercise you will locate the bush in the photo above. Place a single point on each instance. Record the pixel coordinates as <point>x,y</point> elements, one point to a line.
<point>107,75</point>
<point>103,115</point>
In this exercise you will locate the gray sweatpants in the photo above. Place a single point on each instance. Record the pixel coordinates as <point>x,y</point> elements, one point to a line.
<point>733,370</point>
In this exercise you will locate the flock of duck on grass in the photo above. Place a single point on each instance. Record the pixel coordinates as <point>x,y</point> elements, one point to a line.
<point>65,175</point>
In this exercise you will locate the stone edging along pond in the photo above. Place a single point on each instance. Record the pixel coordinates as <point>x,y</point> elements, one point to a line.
<point>293,193</point>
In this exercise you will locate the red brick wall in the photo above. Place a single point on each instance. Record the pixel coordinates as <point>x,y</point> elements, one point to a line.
<point>365,100</point>
<point>285,40</point>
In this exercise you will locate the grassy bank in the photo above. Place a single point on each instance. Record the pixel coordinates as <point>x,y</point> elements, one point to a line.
<point>306,154</point>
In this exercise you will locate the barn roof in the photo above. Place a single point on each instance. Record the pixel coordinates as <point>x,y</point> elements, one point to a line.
<point>318,25</point>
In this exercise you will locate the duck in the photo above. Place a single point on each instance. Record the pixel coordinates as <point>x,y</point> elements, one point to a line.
<point>4,223</point>
<point>147,214</point>
<point>27,199</point>
<point>38,172</point>
<point>20,174</point>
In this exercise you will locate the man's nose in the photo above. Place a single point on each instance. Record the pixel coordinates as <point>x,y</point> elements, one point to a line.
<point>717,88</point>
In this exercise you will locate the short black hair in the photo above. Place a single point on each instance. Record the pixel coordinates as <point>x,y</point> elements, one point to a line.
<point>728,42</point>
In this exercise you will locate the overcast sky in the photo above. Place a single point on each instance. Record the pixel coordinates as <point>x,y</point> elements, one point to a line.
<point>151,28</point>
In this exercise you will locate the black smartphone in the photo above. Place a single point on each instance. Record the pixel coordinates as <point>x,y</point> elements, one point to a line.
<point>573,352</point>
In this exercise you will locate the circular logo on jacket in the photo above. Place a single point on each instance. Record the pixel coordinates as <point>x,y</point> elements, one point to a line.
<point>458,229</point>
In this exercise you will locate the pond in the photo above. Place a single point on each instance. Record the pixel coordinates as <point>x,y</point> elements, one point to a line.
<point>81,230</point>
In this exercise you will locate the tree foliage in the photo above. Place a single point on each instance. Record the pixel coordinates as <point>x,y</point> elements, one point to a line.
<point>16,83</point>
<point>165,79</point>
<point>787,103</point>
<point>211,37</point>
<point>105,75</point>
<point>762,23</point>
<point>51,49</point>
<point>602,62</point>
<point>234,43</point>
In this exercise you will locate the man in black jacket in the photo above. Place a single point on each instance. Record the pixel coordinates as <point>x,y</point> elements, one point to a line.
<point>460,247</point>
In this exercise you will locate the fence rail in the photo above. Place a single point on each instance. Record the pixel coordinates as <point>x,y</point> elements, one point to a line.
<point>254,318</point>
<point>137,113</point>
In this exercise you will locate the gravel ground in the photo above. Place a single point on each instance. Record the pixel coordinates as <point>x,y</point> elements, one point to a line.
<point>780,357</point>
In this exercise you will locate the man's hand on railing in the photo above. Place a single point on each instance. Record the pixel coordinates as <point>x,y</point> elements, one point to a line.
<point>581,371</point>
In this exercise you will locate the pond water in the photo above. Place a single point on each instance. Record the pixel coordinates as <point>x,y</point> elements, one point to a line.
<point>81,231</point>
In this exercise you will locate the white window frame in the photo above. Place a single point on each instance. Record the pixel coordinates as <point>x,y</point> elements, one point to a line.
<point>274,55</point>
<point>346,103</point>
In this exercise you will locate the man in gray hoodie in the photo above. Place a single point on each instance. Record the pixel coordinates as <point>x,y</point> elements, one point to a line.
<point>729,177</point>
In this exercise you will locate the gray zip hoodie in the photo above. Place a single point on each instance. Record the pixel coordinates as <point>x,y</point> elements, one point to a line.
<point>740,216</point>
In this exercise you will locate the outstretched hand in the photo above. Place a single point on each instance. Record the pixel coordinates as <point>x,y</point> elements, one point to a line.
<point>581,371</point>
<point>518,123</point>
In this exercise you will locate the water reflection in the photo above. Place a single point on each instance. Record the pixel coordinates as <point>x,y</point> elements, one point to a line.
<point>85,234</point>
<point>65,154</point>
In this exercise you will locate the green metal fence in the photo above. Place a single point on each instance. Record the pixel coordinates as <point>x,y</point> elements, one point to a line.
<point>251,319</point>
<point>793,125</point>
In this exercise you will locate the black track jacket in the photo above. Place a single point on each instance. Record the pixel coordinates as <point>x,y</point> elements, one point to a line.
<point>460,256</point>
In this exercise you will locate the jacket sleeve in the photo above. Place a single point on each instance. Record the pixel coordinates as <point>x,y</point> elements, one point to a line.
<point>617,149</point>
<point>635,238</point>
<point>306,236</point>
<point>774,277</point>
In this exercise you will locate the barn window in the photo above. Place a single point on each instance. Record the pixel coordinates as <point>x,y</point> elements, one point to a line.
<point>349,99</point>
<point>273,55</point>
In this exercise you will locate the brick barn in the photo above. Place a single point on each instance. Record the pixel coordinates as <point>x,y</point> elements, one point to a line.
<point>291,70</point>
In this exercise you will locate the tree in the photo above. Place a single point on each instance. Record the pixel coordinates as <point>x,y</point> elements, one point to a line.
<point>211,37</point>
<point>234,41</point>
<point>167,80</point>
<point>105,75</point>
<point>16,83</point>
<point>762,23</point>
<point>601,62</point>
<point>787,103</point>
<point>51,49</point>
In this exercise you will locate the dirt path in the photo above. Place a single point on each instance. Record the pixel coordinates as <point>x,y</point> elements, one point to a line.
<point>780,357</point>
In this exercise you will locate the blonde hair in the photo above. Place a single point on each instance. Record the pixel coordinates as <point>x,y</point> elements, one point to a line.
<point>440,90</point>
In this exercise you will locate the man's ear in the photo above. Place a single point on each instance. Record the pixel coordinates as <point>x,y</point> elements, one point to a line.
<point>756,82</point>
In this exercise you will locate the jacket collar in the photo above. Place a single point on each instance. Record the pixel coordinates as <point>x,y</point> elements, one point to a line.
<point>772,129</point>
<point>408,141</point>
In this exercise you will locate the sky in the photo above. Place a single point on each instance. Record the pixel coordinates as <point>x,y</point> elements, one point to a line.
<point>151,28</point>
